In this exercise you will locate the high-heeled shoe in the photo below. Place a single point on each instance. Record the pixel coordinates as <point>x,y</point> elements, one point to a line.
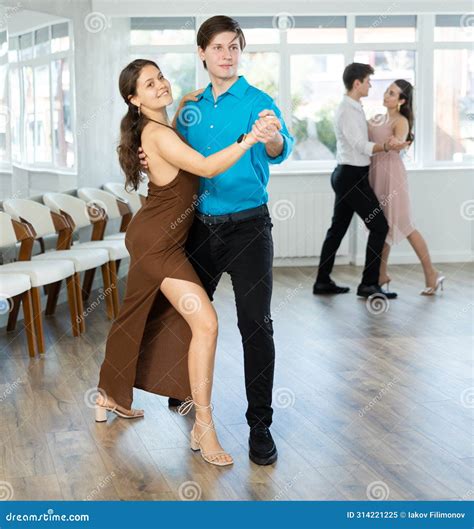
<point>430,291</point>
<point>211,457</point>
<point>102,409</point>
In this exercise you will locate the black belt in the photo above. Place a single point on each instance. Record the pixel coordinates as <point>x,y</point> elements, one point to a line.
<point>233,217</point>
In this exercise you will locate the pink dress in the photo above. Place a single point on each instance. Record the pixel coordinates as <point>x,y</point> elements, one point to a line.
<point>388,179</point>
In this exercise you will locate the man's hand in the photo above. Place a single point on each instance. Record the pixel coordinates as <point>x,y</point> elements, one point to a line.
<point>143,159</point>
<point>266,128</point>
<point>394,144</point>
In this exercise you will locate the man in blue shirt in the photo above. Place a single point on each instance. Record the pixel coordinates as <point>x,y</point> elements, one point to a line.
<point>232,227</point>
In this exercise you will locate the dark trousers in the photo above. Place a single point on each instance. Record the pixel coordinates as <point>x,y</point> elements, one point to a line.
<point>354,194</point>
<point>243,249</point>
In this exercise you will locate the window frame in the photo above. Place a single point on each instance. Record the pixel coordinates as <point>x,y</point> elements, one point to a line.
<point>45,59</point>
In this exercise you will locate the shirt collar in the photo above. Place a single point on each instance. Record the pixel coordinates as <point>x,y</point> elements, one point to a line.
<point>238,89</point>
<point>353,102</point>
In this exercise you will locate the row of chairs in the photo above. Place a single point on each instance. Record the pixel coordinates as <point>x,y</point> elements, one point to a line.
<point>24,222</point>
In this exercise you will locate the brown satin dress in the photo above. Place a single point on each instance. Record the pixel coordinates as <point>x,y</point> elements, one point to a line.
<point>147,347</point>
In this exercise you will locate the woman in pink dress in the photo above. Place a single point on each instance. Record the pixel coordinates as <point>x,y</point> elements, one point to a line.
<point>388,179</point>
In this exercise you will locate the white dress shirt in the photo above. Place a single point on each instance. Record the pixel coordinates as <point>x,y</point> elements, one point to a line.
<point>352,134</point>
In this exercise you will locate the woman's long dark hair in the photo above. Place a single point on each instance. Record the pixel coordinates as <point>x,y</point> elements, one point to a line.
<point>406,93</point>
<point>132,124</point>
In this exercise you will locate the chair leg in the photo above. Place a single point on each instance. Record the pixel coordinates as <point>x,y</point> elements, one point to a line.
<point>114,285</point>
<point>53,294</point>
<point>80,303</point>
<point>107,291</point>
<point>37,318</point>
<point>71,297</point>
<point>28,322</point>
<point>87,283</point>
<point>13,316</point>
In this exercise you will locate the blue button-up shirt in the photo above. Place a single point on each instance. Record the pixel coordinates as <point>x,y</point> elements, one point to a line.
<point>210,126</point>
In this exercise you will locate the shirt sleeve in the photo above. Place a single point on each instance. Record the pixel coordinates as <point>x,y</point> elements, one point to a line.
<point>355,136</point>
<point>288,140</point>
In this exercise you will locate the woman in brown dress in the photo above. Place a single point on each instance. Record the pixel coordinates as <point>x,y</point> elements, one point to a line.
<point>164,338</point>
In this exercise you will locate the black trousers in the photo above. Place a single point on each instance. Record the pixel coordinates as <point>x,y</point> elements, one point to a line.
<point>354,194</point>
<point>243,249</point>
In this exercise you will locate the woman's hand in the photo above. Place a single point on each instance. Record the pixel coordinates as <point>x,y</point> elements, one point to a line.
<point>266,127</point>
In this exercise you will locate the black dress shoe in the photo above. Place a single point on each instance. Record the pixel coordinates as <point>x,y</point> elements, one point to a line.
<point>174,403</point>
<point>262,446</point>
<point>365,291</point>
<point>329,288</point>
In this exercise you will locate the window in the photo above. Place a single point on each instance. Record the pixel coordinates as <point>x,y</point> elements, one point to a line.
<point>4,103</point>
<point>299,60</point>
<point>41,97</point>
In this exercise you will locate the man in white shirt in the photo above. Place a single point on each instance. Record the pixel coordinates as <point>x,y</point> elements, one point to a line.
<point>350,181</point>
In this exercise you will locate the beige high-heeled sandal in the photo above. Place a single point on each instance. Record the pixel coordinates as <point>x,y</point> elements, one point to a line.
<point>195,443</point>
<point>102,409</point>
<point>431,291</point>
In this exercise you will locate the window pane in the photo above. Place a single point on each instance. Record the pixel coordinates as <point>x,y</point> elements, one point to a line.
<point>42,115</point>
<point>389,66</point>
<point>13,46</point>
<point>382,28</point>
<point>41,41</point>
<point>60,37</point>
<point>260,30</point>
<point>454,28</point>
<point>316,90</point>
<point>318,29</point>
<point>454,105</point>
<point>62,126</point>
<point>262,70</point>
<point>4,114</point>
<point>180,70</point>
<point>166,30</point>
<point>29,112</point>
<point>15,105</point>
<point>26,46</point>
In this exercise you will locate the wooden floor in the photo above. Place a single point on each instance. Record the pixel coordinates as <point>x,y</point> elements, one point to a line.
<point>371,402</point>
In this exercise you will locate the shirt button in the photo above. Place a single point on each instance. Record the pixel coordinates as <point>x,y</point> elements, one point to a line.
<point>212,126</point>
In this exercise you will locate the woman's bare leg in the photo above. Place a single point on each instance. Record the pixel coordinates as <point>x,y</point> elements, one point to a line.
<point>421,249</point>
<point>192,302</point>
<point>383,274</point>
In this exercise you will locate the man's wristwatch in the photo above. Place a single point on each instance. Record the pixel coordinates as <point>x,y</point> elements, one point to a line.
<point>242,143</point>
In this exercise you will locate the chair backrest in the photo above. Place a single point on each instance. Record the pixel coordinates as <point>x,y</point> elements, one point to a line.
<point>38,215</point>
<point>102,198</point>
<point>132,197</point>
<point>7,232</point>
<point>73,206</point>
